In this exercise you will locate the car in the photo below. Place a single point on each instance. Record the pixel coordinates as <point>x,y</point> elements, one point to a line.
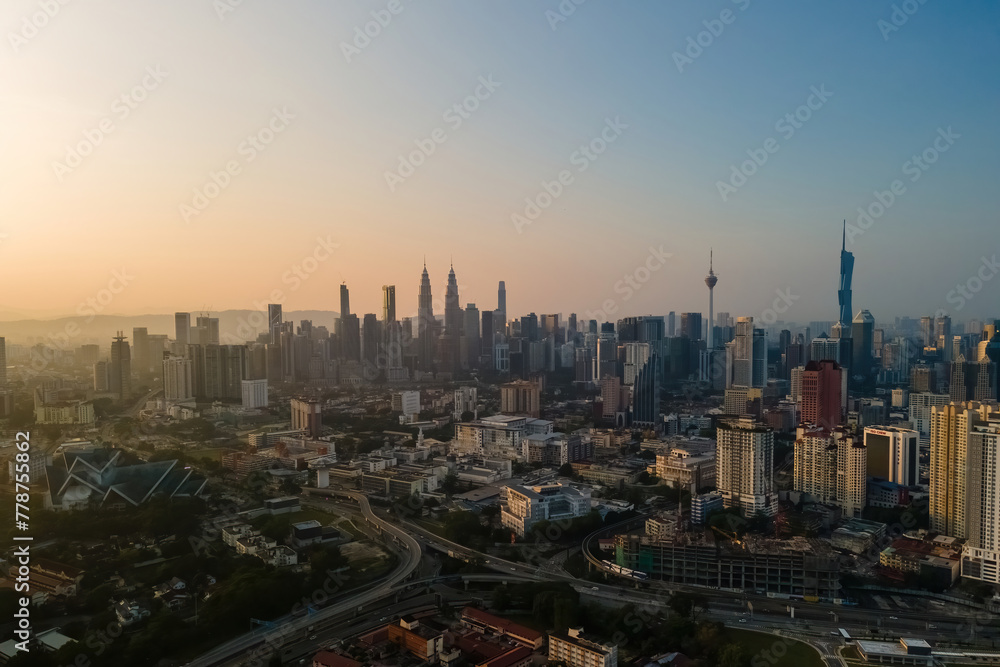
<point>382,619</point>
<point>513,569</point>
<point>594,588</point>
<point>893,618</point>
<point>313,638</point>
<point>743,620</point>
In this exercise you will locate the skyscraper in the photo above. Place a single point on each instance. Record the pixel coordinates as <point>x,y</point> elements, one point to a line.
<point>711,280</point>
<point>893,454</point>
<point>691,325</point>
<point>981,555</point>
<point>140,341</point>
<point>182,328</point>
<point>750,355</point>
<point>425,323</point>
<point>345,301</point>
<point>274,322</point>
<point>502,301</point>
<point>846,272</point>
<point>822,386</point>
<point>388,303</point>
<point>121,367</point>
<point>862,333</point>
<point>3,363</point>
<point>744,466</point>
<point>951,426</point>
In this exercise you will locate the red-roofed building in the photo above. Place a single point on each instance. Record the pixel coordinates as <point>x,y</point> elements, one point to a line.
<point>483,621</point>
<point>328,659</point>
<point>516,657</point>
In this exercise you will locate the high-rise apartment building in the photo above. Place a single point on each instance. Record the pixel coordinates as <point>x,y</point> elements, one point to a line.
<point>950,466</point>
<point>981,555</point>
<point>831,466</point>
<point>745,466</point>
<point>178,379</point>
<point>520,397</point>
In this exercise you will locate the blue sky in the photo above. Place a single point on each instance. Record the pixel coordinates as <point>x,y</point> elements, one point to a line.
<point>655,185</point>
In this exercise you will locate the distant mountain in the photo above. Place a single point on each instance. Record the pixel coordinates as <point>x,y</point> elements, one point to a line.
<point>71,332</point>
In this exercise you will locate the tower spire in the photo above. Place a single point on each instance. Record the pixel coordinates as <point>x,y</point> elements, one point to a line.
<point>843,243</point>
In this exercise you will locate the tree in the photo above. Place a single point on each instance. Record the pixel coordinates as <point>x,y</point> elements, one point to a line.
<point>733,655</point>
<point>566,470</point>
<point>685,604</point>
<point>450,483</point>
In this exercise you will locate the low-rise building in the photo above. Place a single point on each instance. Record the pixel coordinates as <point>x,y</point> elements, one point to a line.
<point>571,647</point>
<point>527,506</point>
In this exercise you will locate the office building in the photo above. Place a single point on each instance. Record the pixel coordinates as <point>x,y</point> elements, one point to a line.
<point>862,333</point>
<point>646,395</point>
<point>307,415</point>
<point>691,326</point>
<point>893,454</point>
<point>426,324</point>
<point>120,369</point>
<point>345,300</point>
<point>141,361</point>
<point>408,404</point>
<point>749,355</point>
<point>846,273</point>
<point>526,506</point>
<point>182,329</point>
<point>274,322</point>
<point>822,391</point>
<point>745,465</point>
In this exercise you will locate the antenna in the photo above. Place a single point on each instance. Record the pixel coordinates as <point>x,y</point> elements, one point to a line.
<point>843,243</point>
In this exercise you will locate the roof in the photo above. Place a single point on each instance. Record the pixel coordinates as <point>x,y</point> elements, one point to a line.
<point>330,659</point>
<point>507,626</point>
<point>512,657</point>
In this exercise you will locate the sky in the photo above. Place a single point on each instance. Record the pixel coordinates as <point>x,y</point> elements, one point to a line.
<point>220,154</point>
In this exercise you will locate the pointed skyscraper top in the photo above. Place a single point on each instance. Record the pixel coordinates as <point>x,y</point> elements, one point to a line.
<point>843,243</point>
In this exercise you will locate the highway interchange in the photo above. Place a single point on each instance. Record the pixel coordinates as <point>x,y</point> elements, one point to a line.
<point>297,637</point>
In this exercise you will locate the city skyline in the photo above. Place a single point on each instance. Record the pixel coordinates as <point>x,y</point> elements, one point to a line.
<point>313,125</point>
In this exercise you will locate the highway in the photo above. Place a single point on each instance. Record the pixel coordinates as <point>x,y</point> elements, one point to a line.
<point>288,626</point>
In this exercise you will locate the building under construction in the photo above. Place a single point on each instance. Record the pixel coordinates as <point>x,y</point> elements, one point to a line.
<point>794,568</point>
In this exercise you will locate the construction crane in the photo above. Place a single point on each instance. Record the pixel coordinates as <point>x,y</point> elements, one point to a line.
<point>731,536</point>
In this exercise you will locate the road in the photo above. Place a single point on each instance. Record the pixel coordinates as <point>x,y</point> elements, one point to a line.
<point>287,627</point>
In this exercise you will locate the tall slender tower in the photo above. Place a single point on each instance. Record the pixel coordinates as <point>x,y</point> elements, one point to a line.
<point>345,301</point>
<point>425,321</point>
<point>502,301</point>
<point>452,309</point>
<point>846,272</point>
<point>711,279</point>
<point>388,303</point>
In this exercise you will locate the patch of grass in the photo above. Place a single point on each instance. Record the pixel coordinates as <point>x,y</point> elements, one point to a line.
<point>797,654</point>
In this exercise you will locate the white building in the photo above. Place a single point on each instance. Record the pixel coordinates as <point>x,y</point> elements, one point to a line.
<point>465,401</point>
<point>744,460</point>
<point>407,403</point>
<point>254,394</point>
<point>920,411</point>
<point>178,379</point>
<point>572,649</point>
<point>981,557</point>
<point>527,506</point>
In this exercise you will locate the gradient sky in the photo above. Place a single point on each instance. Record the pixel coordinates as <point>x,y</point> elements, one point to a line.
<point>324,175</point>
